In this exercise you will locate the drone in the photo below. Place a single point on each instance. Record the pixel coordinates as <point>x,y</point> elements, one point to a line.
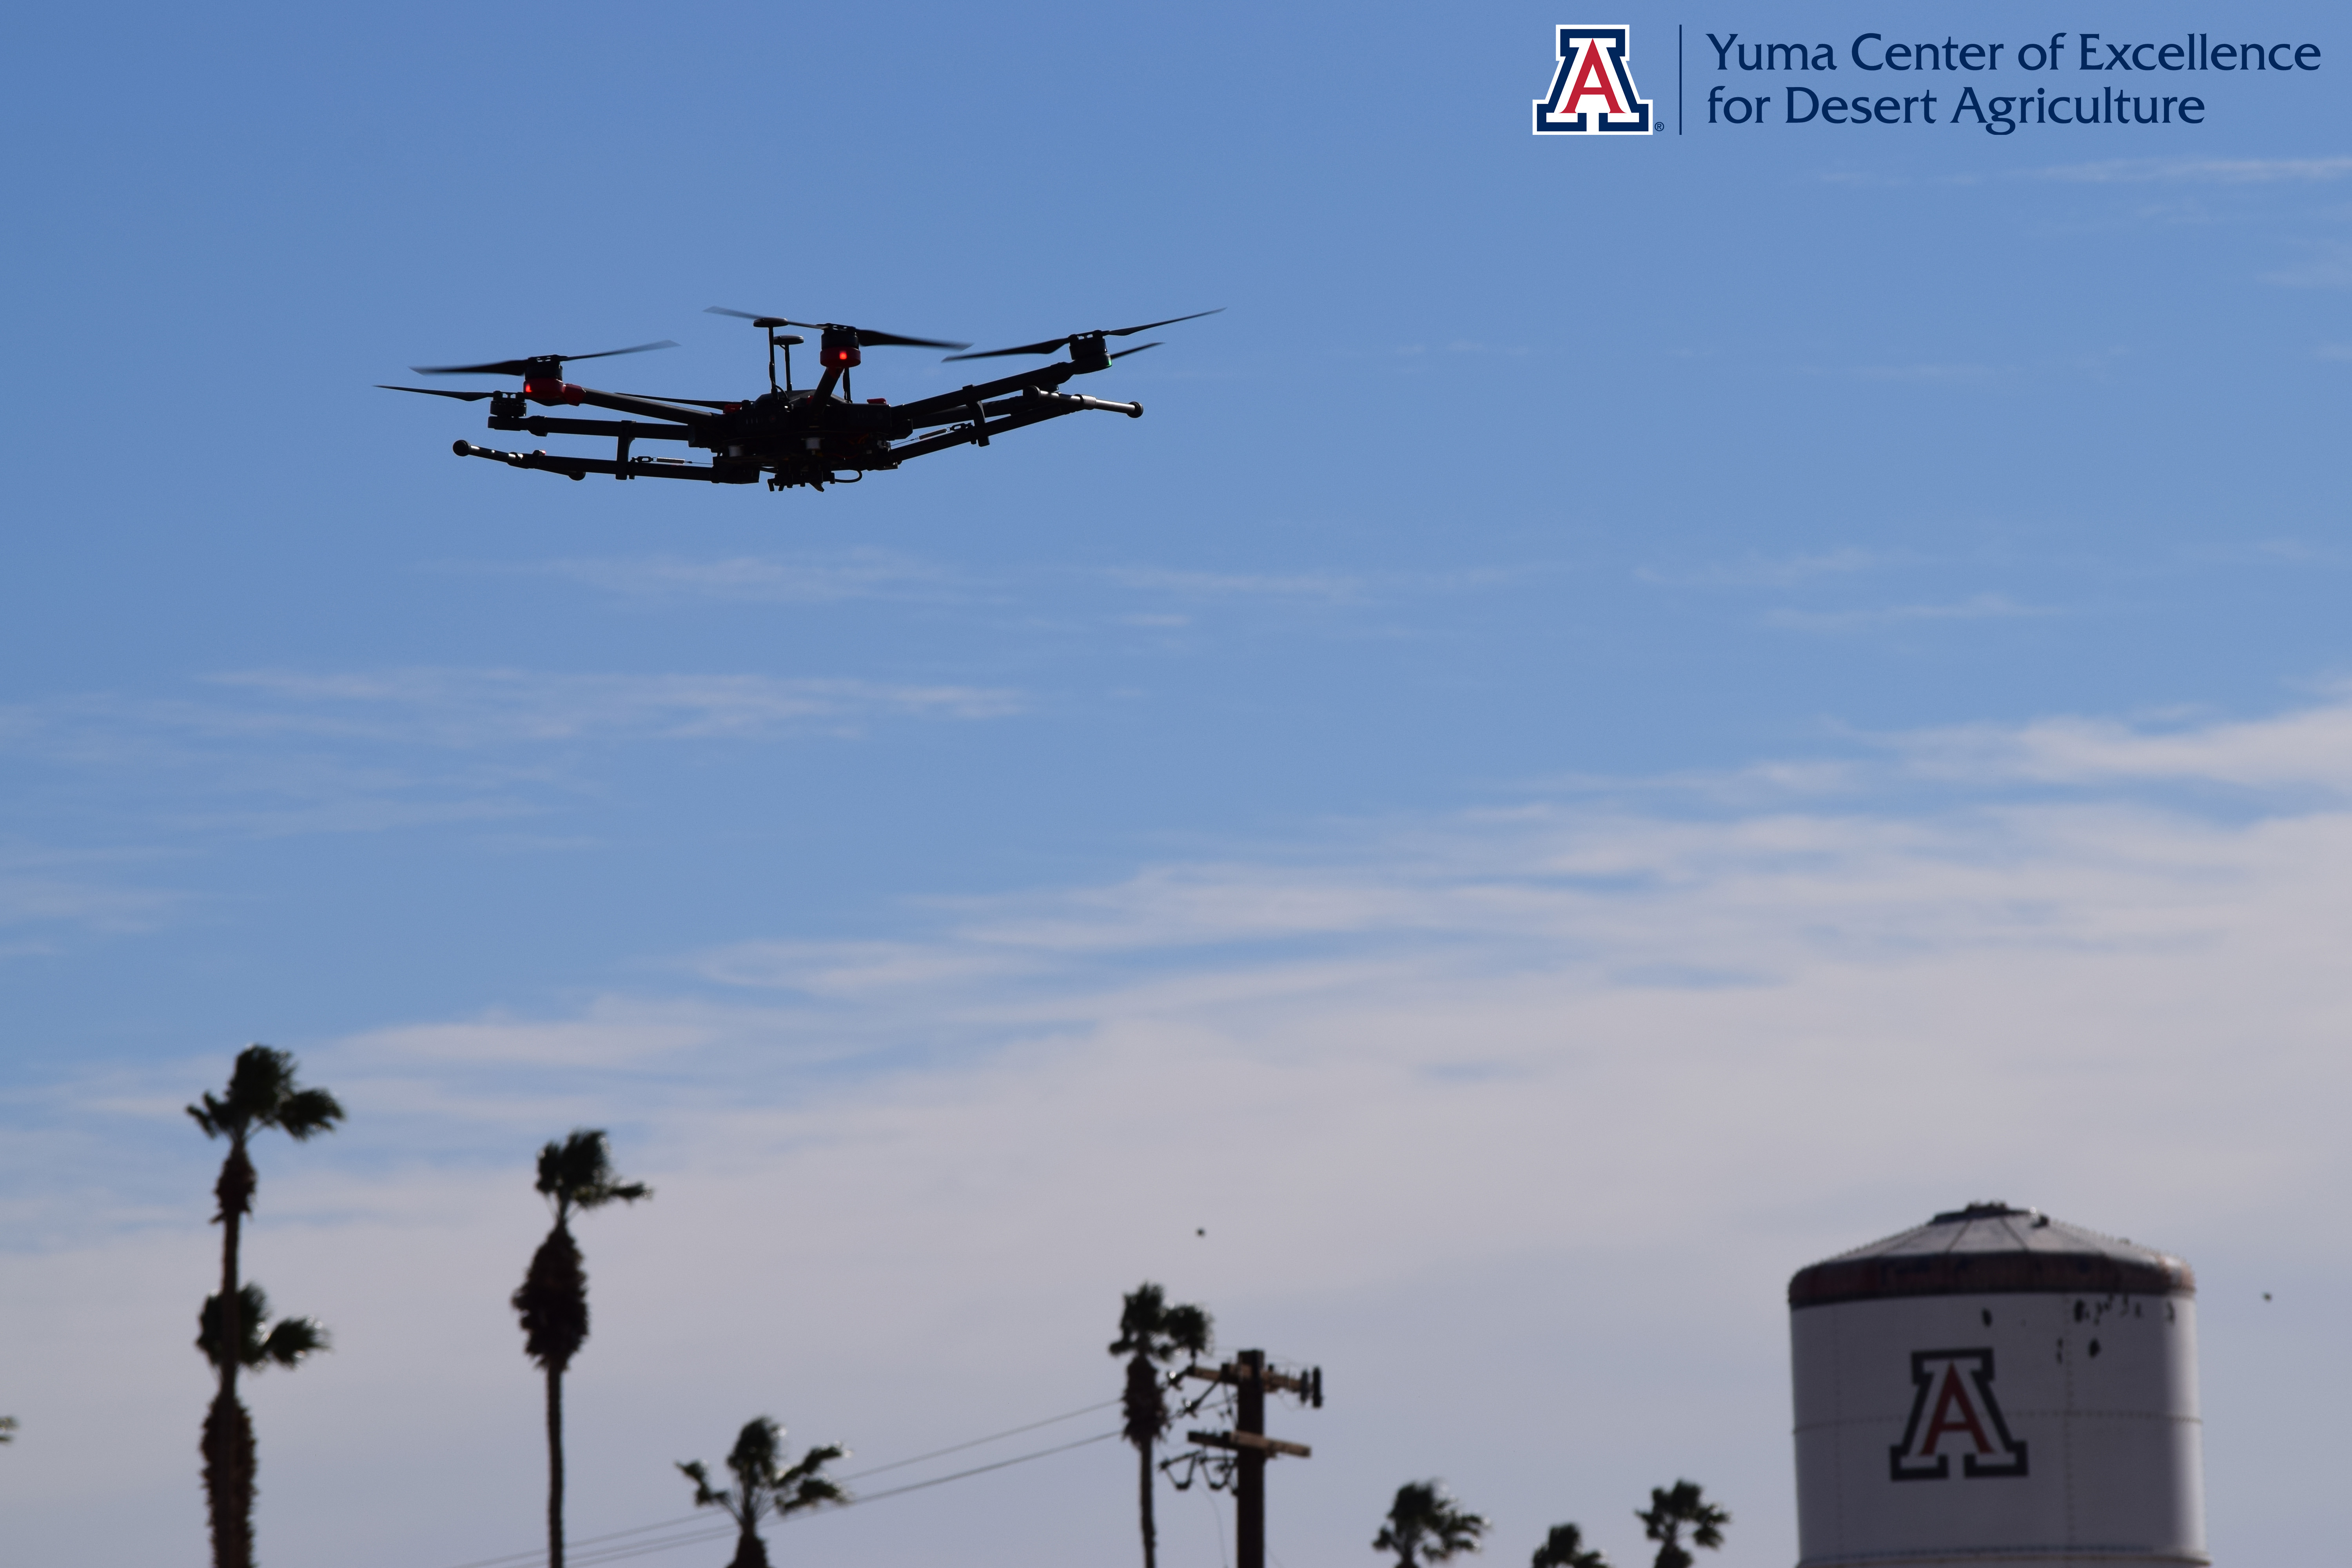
<point>789,435</point>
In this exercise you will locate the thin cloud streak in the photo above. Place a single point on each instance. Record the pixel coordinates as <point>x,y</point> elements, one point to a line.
<point>763,580</point>
<point>2310,749</point>
<point>1334,588</point>
<point>1978,608</point>
<point>2199,171</point>
<point>1753,571</point>
<point>477,707</point>
<point>460,709</point>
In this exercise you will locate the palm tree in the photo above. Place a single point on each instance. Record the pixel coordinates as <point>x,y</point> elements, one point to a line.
<point>261,1094</point>
<point>1565,1548</point>
<point>1151,1335</point>
<point>1671,1509</point>
<point>574,1175</point>
<point>1426,1525</point>
<point>7,1428</point>
<point>764,1485</point>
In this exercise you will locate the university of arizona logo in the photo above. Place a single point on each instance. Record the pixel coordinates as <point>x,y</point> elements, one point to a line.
<point>1953,1411</point>
<point>1593,88</point>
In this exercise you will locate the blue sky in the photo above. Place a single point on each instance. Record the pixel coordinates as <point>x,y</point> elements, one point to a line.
<point>1633,715</point>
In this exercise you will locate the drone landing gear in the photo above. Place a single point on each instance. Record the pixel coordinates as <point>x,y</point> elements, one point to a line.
<point>634,469</point>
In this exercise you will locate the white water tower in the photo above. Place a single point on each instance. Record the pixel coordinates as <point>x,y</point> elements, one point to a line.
<point>1995,1386</point>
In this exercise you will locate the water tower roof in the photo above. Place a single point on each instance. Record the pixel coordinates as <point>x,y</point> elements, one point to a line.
<point>1992,1250</point>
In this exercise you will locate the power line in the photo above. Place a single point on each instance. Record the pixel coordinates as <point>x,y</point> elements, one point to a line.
<point>983,1469</point>
<point>533,1555</point>
<point>642,1548</point>
<point>976,1442</point>
<point>720,1532</point>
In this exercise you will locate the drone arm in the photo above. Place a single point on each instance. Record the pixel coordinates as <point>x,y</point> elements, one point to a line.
<point>957,405</point>
<point>627,429</point>
<point>644,408</point>
<point>1033,409</point>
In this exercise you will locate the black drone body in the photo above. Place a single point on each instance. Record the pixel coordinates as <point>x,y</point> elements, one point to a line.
<point>811,436</point>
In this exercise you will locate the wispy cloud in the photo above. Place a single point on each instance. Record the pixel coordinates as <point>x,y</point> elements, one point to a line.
<point>272,752</point>
<point>758,579</point>
<point>1325,587</point>
<point>2200,171</point>
<point>1978,608</point>
<point>477,707</point>
<point>1459,346</point>
<point>48,888</point>
<point>2307,750</point>
<point>1333,588</point>
<point>461,707</point>
<point>1927,372</point>
<point>2330,267</point>
<point>1753,571</point>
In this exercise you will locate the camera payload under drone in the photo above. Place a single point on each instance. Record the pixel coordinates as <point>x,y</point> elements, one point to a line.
<point>789,436</point>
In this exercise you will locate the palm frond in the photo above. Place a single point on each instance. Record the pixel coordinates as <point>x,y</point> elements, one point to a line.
<point>815,1460</point>
<point>578,1173</point>
<point>262,1093</point>
<point>1425,1522</point>
<point>1139,1317</point>
<point>291,1339</point>
<point>762,1487</point>
<point>1150,1327</point>
<point>1673,1508</point>
<point>210,1116</point>
<point>283,1344</point>
<point>1565,1548</point>
<point>306,1112</point>
<point>708,1495</point>
<point>813,1492</point>
<point>1187,1329</point>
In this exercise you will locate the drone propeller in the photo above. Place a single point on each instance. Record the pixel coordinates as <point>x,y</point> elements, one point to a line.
<point>1052,345</point>
<point>691,402</point>
<point>867,338</point>
<point>440,392</point>
<point>746,315</point>
<point>1135,350</point>
<point>537,365</point>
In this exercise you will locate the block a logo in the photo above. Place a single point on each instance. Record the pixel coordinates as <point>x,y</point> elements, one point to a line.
<point>1953,1411</point>
<point>1594,89</point>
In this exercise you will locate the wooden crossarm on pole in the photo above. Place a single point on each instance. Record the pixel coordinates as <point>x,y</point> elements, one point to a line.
<point>1253,1442</point>
<point>1231,1373</point>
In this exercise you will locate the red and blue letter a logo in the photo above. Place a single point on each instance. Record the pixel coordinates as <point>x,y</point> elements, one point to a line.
<point>1594,89</point>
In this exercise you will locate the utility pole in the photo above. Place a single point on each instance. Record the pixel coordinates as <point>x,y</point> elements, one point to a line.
<point>1248,1443</point>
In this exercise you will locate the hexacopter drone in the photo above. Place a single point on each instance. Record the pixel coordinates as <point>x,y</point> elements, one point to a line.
<point>811,436</point>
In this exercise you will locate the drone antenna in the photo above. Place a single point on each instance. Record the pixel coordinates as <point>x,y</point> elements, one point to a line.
<point>772,359</point>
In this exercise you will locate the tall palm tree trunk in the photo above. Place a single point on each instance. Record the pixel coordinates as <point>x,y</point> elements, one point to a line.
<point>229,1481</point>
<point>750,1551</point>
<point>228,1451</point>
<point>1143,1501</point>
<point>555,1467</point>
<point>1147,1417</point>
